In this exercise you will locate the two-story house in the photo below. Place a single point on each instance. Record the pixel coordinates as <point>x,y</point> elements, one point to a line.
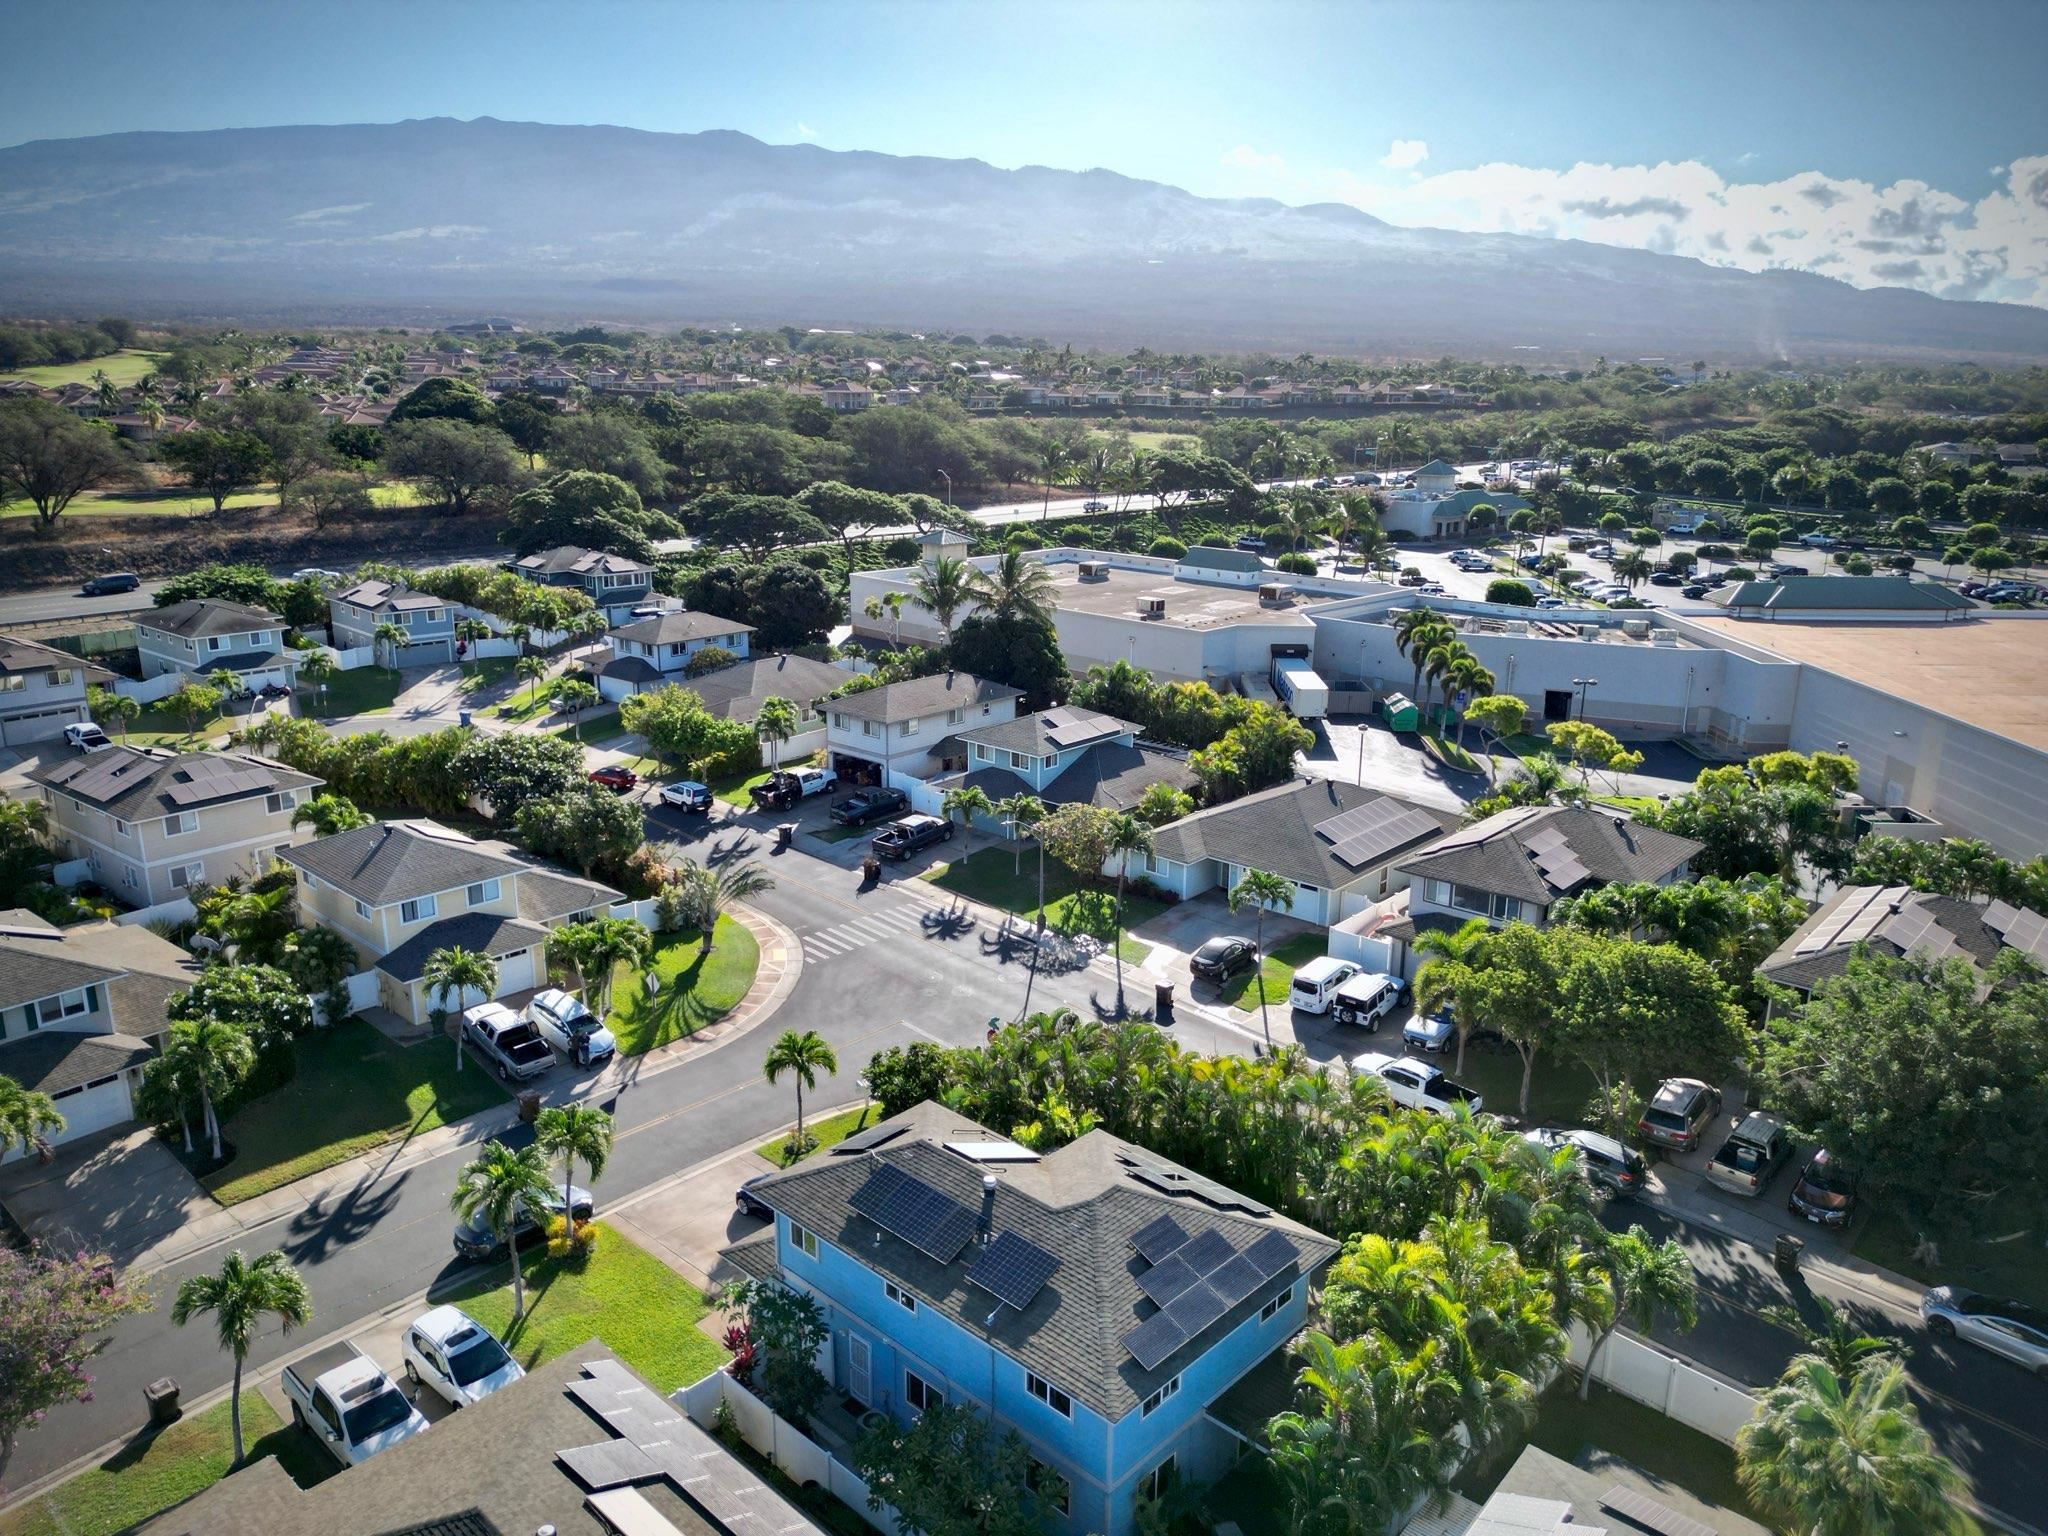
<point>1067,756</point>
<point>912,728</point>
<point>153,824</point>
<point>41,691</point>
<point>355,614</point>
<point>1896,920</point>
<point>400,890</point>
<point>81,1012</point>
<point>1098,1300</point>
<point>614,582</point>
<point>649,652</point>
<point>1514,866</point>
<point>1340,845</point>
<point>196,638</point>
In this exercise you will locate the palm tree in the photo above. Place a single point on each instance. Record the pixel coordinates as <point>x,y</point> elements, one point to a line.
<point>599,947</point>
<point>573,696</point>
<point>1019,811</point>
<point>1469,676</point>
<point>571,1132</point>
<point>587,625</point>
<point>1631,568</point>
<point>944,589</point>
<point>239,1297</point>
<point>1836,1340</point>
<point>1262,890</point>
<point>1416,633</point>
<point>455,971</point>
<point>118,707</point>
<point>890,603</point>
<point>1826,1457</point>
<point>470,631</point>
<point>1363,1453</point>
<point>329,814</point>
<point>775,723</point>
<point>27,1118</point>
<point>213,1056</point>
<point>317,668</point>
<point>1648,1280</point>
<point>1015,587</point>
<point>1055,462</point>
<point>713,890</point>
<point>1127,835</point>
<point>530,670</point>
<point>1451,960</point>
<point>105,391</point>
<point>388,639</point>
<point>804,1056</point>
<point>967,802</point>
<point>496,1185</point>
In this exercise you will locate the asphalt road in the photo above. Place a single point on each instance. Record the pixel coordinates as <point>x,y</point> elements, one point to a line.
<point>1986,1414</point>
<point>363,1249</point>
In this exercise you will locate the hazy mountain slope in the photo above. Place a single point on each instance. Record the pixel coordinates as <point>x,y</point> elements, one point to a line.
<point>407,219</point>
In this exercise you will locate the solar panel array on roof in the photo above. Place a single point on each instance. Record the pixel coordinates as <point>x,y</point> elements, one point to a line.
<point>2023,930</point>
<point>1158,1238</point>
<point>1207,1251</point>
<point>1013,1269</point>
<point>1272,1253</point>
<point>216,786</point>
<point>1197,1307</point>
<point>869,1139</point>
<point>1066,727</point>
<point>1236,1279</point>
<point>1855,920</point>
<point>1646,1512</point>
<point>1368,833</point>
<point>1543,838</point>
<point>1178,1181</point>
<point>1154,1339</point>
<point>1167,1279</point>
<point>932,1222</point>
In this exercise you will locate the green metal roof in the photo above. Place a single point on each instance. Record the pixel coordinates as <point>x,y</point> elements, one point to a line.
<point>1211,558</point>
<point>1836,594</point>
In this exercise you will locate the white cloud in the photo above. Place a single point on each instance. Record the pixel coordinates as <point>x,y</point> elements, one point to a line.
<point>1403,154</point>
<point>805,131</point>
<point>1907,234</point>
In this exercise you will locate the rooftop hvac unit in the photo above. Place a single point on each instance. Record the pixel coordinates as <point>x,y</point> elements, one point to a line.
<point>1589,631</point>
<point>1664,637</point>
<point>1151,607</point>
<point>1094,570</point>
<point>1272,594</point>
<point>1514,627</point>
<point>1636,629</point>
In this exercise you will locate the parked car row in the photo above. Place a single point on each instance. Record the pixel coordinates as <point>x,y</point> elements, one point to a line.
<point>521,1046</point>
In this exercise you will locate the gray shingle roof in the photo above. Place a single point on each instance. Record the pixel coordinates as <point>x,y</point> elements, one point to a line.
<point>207,616</point>
<point>1275,830</point>
<point>545,895</point>
<point>138,785</point>
<point>140,971</point>
<point>1499,853</point>
<point>1081,1205</point>
<point>736,692</point>
<point>1108,774</point>
<point>632,669</point>
<point>1892,920</point>
<point>575,560</point>
<point>383,597</point>
<point>389,861</point>
<point>680,627</point>
<point>38,960</point>
<point>920,696</point>
<point>1049,730</point>
<point>18,656</point>
<point>486,933</point>
<point>1837,594</point>
<point>51,1060</point>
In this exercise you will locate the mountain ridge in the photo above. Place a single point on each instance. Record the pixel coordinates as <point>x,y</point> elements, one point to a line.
<point>321,220</point>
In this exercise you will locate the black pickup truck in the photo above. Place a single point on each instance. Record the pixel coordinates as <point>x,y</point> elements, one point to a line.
<point>866,805</point>
<point>900,839</point>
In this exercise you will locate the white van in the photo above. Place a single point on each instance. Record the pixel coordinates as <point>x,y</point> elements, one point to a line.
<point>1317,982</point>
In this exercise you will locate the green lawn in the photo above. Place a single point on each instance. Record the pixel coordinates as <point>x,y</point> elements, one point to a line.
<point>359,691</point>
<point>994,876</point>
<point>1276,973</point>
<point>1525,743</point>
<point>738,791</point>
<point>595,730</point>
<point>161,728</point>
<point>147,1476</point>
<point>1998,1268</point>
<point>479,673</point>
<point>124,368</point>
<point>695,990</point>
<point>1558,1089</point>
<point>828,1132</point>
<point>1635,805</point>
<point>176,501</point>
<point>639,1308</point>
<point>355,1090</point>
<point>1446,750</point>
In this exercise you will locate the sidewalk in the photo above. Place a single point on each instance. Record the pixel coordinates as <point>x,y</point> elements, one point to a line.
<point>781,963</point>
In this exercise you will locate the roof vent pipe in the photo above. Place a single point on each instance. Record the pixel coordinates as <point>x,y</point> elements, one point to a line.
<point>984,1229</point>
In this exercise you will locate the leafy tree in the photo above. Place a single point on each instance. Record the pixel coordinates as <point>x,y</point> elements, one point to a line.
<point>1630,1011</point>
<point>1498,715</point>
<point>259,999</point>
<point>445,399</point>
<point>589,827</point>
<point>950,1473</point>
<point>55,1312</point>
<point>1022,653</point>
<point>575,1132</point>
<point>803,1056</point>
<point>508,769</point>
<point>1448,975</point>
<point>1588,747</point>
<point>755,525</point>
<point>528,419</point>
<point>1257,752</point>
<point>904,1076</point>
<point>238,1298</point>
<point>675,723</point>
<point>1262,891</point>
<point>49,457</point>
<point>581,507</point>
<point>463,463</point>
<point>606,443</point>
<point>1162,803</point>
<point>1832,1458</point>
<point>25,858</point>
<point>1750,825</point>
<point>1928,1080</point>
<point>1515,594</point>
<point>494,1186</point>
<point>790,1328</point>
<point>244,583</point>
<point>217,464</point>
<point>289,428</point>
<point>1119,689</point>
<point>1647,1281</point>
<point>841,508</point>
<point>27,1118</point>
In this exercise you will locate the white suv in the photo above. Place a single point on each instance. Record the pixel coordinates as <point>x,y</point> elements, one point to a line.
<point>570,1027</point>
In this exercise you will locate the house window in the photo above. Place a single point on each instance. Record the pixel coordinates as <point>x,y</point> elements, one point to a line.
<point>128,877</point>
<point>1272,1308</point>
<point>260,639</point>
<point>418,911</point>
<point>122,827</point>
<point>189,876</point>
<point>803,1241</point>
<point>1019,760</point>
<point>1155,1483</point>
<point>1437,892</point>
<point>1053,1491</point>
<point>214,643</point>
<point>279,803</point>
<point>919,1393</point>
<point>957,716</point>
<point>908,728</point>
<point>60,676</point>
<point>66,1005</point>
<point>1160,1394</point>
<point>900,1296</point>
<point>483,891</point>
<point>178,823</point>
<point>362,907</point>
<point>867,727</point>
<point>13,682</point>
<point>1049,1395</point>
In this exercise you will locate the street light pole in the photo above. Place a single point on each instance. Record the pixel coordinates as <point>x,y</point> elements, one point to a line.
<point>949,486</point>
<point>1582,684</point>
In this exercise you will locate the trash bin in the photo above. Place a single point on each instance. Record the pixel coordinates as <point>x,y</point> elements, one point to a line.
<point>1162,1000</point>
<point>162,1397</point>
<point>529,1105</point>
<point>1785,1252</point>
<point>463,715</point>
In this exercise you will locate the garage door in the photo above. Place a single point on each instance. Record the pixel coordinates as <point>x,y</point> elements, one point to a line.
<point>95,1107</point>
<point>515,972</point>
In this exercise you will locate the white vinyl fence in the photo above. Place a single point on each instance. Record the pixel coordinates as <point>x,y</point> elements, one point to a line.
<point>354,656</point>
<point>150,690</point>
<point>362,993</point>
<point>178,909</point>
<point>1679,1390</point>
<point>800,1457</point>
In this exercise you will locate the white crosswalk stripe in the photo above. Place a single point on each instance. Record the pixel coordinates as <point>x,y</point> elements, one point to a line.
<point>869,928</point>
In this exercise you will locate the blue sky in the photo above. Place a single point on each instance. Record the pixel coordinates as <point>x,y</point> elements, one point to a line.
<point>1623,120</point>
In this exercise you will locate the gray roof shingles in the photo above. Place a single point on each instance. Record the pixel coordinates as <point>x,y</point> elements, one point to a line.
<point>1275,830</point>
<point>52,1060</point>
<point>138,785</point>
<point>484,933</point>
<point>207,616</point>
<point>1957,923</point>
<point>680,628</point>
<point>1108,774</point>
<point>1494,855</point>
<point>389,861</point>
<point>920,696</point>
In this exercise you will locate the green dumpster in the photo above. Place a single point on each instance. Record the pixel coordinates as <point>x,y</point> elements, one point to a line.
<point>1400,712</point>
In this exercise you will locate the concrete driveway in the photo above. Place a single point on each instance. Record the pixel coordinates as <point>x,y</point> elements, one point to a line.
<point>120,1193</point>
<point>688,1221</point>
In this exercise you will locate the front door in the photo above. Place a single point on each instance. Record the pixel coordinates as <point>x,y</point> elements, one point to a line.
<point>859,1369</point>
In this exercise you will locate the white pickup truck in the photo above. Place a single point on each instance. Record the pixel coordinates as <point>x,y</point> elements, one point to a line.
<point>510,1044</point>
<point>346,1403</point>
<point>1416,1084</point>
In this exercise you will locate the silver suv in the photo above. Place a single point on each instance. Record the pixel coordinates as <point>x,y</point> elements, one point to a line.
<point>1679,1113</point>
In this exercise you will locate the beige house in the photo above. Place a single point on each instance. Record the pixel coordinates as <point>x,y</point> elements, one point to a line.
<point>198,638</point>
<point>81,1014</point>
<point>401,890</point>
<point>152,824</point>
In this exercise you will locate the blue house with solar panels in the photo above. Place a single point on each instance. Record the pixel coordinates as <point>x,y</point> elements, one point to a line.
<point>1127,1318</point>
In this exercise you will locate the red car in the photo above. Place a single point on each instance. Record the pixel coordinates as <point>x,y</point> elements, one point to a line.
<point>615,778</point>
